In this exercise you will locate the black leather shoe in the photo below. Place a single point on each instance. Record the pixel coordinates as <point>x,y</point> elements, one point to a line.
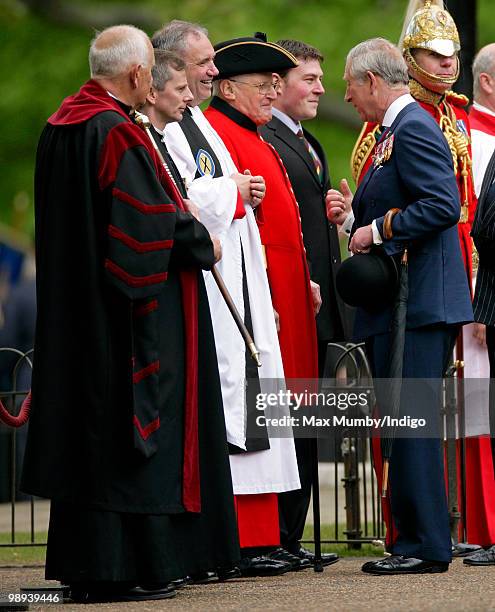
<point>91,594</point>
<point>397,564</point>
<point>143,594</point>
<point>204,577</point>
<point>263,566</point>
<point>463,549</point>
<point>228,574</point>
<point>481,557</point>
<point>297,563</point>
<point>181,582</point>
<point>326,558</point>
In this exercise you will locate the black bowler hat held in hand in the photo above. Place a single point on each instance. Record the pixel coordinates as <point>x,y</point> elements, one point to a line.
<point>368,280</point>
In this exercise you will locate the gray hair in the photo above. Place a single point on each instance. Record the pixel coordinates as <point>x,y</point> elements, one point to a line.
<point>215,87</point>
<point>114,50</point>
<point>379,56</point>
<point>173,36</point>
<point>161,71</point>
<point>483,62</point>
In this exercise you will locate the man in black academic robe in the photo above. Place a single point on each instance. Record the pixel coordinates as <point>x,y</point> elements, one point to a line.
<point>127,436</point>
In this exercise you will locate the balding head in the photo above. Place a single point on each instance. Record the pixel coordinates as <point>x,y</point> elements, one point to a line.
<point>484,76</point>
<point>116,50</point>
<point>121,59</point>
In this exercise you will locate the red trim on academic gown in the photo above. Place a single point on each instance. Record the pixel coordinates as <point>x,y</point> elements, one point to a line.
<point>91,100</point>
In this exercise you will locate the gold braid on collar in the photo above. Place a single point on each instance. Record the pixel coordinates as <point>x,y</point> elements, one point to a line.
<point>422,94</point>
<point>362,149</point>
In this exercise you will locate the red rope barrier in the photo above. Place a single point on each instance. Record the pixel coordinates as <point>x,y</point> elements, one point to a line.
<point>23,416</point>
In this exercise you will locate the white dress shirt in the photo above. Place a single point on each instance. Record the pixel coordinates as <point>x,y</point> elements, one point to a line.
<point>390,116</point>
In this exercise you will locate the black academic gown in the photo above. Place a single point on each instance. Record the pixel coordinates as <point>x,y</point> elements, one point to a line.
<point>107,424</point>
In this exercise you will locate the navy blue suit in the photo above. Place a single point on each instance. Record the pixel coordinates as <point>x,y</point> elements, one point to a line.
<point>419,179</point>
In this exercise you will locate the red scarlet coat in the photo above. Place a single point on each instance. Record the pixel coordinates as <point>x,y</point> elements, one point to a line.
<point>280,229</point>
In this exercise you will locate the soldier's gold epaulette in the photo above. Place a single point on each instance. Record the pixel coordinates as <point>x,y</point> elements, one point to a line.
<point>456,98</point>
<point>362,150</point>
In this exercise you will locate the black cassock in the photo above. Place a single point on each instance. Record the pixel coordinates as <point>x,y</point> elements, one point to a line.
<point>141,491</point>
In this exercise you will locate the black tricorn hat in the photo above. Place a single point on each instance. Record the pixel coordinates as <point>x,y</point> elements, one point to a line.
<point>251,54</point>
<point>368,280</point>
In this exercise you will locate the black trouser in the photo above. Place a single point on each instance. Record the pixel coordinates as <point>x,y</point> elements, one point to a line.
<point>293,505</point>
<point>490,342</point>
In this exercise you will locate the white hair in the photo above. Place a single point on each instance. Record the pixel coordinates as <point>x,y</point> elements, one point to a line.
<point>378,56</point>
<point>483,62</point>
<point>116,49</point>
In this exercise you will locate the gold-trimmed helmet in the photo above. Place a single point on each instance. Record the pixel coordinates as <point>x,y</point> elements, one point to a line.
<point>429,26</point>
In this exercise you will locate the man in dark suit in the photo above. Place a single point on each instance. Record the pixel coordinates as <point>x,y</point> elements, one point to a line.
<point>306,165</point>
<point>412,170</point>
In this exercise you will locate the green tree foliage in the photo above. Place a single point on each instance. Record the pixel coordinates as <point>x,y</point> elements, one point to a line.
<point>44,46</point>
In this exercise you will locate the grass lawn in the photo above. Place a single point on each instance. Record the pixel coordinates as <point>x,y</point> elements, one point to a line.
<point>343,550</point>
<point>22,555</point>
<point>35,555</point>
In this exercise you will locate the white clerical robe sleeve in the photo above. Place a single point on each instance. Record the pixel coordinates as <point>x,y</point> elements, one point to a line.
<point>216,198</point>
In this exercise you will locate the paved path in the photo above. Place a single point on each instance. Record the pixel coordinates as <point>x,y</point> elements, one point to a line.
<point>342,587</point>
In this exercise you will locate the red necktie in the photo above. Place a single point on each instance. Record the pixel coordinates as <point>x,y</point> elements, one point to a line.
<point>312,153</point>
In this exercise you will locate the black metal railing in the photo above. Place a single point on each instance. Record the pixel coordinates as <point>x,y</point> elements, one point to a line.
<point>346,468</point>
<point>349,493</point>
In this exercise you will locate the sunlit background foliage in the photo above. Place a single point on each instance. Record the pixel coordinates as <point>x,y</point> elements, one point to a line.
<point>43,46</point>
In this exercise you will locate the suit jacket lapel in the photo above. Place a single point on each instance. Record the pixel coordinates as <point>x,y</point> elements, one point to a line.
<point>362,187</point>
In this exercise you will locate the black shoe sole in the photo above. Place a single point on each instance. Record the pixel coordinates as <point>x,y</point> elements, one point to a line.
<point>458,555</point>
<point>231,575</point>
<point>149,597</point>
<point>259,574</point>
<point>88,598</point>
<point>426,570</point>
<point>208,580</point>
<point>298,568</point>
<point>478,563</point>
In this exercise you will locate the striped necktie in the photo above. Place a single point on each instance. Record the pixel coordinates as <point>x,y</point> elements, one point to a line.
<point>313,154</point>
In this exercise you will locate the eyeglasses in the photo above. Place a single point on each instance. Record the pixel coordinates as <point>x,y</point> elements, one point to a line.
<point>263,88</point>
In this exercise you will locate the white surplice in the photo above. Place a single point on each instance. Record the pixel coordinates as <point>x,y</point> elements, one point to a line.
<point>268,471</point>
